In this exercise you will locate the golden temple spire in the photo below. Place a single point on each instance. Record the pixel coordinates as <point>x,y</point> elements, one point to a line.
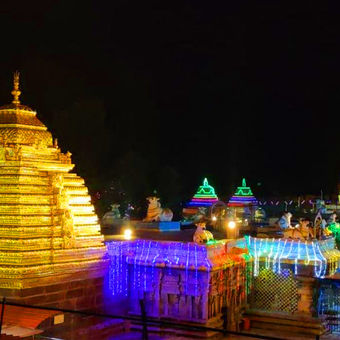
<point>16,92</point>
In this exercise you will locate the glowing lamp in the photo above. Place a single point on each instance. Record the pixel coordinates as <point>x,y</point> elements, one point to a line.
<point>214,218</point>
<point>232,230</point>
<point>231,225</point>
<point>127,234</point>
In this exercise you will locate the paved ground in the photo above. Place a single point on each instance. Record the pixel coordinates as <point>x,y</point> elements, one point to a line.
<point>285,336</point>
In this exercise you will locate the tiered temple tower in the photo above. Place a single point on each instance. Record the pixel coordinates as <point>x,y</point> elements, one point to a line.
<point>49,232</point>
<point>243,196</point>
<point>204,197</point>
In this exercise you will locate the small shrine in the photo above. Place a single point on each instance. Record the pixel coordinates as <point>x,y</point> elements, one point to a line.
<point>181,281</point>
<point>49,232</point>
<point>201,203</point>
<point>243,204</point>
<point>243,197</point>
<point>204,197</point>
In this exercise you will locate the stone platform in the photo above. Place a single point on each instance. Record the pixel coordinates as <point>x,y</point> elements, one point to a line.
<point>159,226</point>
<point>84,294</point>
<point>279,322</point>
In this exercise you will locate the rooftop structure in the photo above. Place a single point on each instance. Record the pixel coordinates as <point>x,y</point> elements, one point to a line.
<point>315,258</point>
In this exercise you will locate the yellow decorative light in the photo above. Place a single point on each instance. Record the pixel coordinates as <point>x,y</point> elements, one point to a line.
<point>231,225</point>
<point>127,234</point>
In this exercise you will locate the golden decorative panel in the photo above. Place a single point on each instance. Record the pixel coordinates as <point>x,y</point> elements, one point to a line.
<point>12,135</point>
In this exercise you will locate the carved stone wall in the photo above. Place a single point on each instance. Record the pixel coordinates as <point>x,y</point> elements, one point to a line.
<point>189,295</point>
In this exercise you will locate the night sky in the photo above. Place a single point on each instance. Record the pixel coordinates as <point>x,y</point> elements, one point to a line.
<point>158,90</point>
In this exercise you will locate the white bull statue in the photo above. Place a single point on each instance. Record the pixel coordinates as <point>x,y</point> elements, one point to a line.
<point>201,235</point>
<point>302,232</point>
<point>156,213</point>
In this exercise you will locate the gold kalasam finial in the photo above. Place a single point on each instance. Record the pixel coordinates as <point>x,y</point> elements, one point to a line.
<point>16,92</point>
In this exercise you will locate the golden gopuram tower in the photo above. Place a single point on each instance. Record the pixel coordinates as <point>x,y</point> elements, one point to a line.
<point>51,249</point>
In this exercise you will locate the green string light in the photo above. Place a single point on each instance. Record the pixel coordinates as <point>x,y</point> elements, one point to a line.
<point>205,191</point>
<point>243,190</point>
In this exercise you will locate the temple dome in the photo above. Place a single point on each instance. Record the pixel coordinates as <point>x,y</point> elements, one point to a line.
<point>18,115</point>
<point>19,123</point>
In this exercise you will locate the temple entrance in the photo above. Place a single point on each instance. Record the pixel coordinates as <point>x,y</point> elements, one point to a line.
<point>218,215</point>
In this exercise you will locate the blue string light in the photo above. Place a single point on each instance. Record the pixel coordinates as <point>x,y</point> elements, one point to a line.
<point>321,254</point>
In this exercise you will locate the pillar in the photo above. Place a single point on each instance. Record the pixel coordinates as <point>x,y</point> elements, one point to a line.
<point>306,286</point>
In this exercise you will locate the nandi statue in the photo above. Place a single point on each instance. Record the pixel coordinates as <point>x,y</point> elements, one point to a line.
<point>156,213</point>
<point>302,232</point>
<point>115,213</point>
<point>113,216</point>
<point>201,234</point>
<point>128,212</point>
<point>284,221</point>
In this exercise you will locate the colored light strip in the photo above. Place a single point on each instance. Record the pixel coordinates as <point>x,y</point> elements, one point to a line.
<point>199,204</point>
<point>204,200</point>
<point>205,190</point>
<point>133,263</point>
<point>322,255</point>
<point>243,190</point>
<point>243,198</point>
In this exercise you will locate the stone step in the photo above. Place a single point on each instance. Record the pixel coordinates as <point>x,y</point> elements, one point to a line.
<point>287,335</point>
<point>167,331</point>
<point>80,327</point>
<point>285,323</point>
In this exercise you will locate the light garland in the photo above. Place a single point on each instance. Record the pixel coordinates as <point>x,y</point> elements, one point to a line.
<point>133,263</point>
<point>322,254</point>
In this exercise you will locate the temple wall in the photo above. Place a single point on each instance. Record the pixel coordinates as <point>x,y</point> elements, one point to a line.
<point>86,294</point>
<point>185,293</point>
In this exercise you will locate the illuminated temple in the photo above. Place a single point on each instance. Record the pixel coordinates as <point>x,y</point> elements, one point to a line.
<point>52,252</point>
<point>49,232</point>
<point>272,282</point>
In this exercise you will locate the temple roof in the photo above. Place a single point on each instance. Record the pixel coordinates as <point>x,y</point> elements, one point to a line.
<point>16,107</point>
<point>16,114</point>
<point>205,191</point>
<point>19,123</point>
<point>243,196</point>
<point>243,190</point>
